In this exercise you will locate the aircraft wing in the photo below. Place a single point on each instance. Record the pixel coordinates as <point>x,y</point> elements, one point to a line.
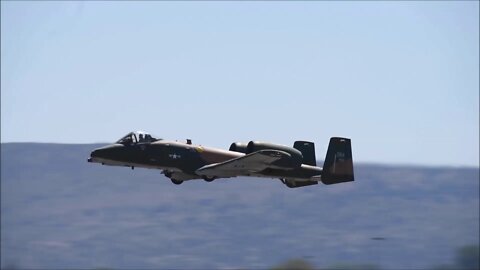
<point>250,163</point>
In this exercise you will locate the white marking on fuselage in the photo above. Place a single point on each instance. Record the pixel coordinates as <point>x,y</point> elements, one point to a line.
<point>174,156</point>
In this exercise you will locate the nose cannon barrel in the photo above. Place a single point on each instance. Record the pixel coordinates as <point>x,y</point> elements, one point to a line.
<point>93,154</point>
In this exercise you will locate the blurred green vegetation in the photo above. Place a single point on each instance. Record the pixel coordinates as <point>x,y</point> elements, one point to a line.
<point>302,264</point>
<point>466,258</point>
<point>364,266</point>
<point>299,264</point>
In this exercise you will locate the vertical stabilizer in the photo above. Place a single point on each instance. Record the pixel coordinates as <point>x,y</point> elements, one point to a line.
<point>308,152</point>
<point>338,165</point>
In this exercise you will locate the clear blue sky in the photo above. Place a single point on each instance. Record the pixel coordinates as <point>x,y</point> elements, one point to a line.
<point>399,78</point>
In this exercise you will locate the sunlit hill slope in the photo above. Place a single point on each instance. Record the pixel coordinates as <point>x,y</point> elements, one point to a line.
<point>58,211</point>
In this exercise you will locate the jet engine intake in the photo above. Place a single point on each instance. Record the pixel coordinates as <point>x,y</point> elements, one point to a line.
<point>238,147</point>
<point>294,161</point>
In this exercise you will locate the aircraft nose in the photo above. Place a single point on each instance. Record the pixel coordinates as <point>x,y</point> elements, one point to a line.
<point>93,155</point>
<point>99,153</point>
<point>102,153</point>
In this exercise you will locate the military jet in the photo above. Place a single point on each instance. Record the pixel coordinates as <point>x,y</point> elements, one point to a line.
<point>182,161</point>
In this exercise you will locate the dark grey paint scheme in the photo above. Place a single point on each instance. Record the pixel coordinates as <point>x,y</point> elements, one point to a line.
<point>294,166</point>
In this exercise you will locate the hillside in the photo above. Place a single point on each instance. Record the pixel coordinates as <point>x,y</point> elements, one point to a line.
<point>58,211</point>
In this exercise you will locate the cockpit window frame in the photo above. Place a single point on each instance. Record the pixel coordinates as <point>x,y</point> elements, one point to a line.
<point>133,138</point>
<point>128,139</point>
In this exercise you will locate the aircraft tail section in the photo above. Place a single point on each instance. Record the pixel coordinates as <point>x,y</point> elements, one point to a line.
<point>308,152</point>
<point>338,165</point>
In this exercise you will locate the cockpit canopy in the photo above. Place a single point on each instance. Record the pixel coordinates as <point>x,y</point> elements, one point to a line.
<point>137,137</point>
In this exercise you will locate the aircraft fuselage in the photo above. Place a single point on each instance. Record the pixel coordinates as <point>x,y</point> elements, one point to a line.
<point>184,161</point>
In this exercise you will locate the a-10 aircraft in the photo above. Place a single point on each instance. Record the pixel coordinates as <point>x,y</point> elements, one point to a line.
<point>181,161</point>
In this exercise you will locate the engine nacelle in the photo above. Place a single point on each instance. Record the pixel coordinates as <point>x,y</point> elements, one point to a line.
<point>295,161</point>
<point>238,147</point>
